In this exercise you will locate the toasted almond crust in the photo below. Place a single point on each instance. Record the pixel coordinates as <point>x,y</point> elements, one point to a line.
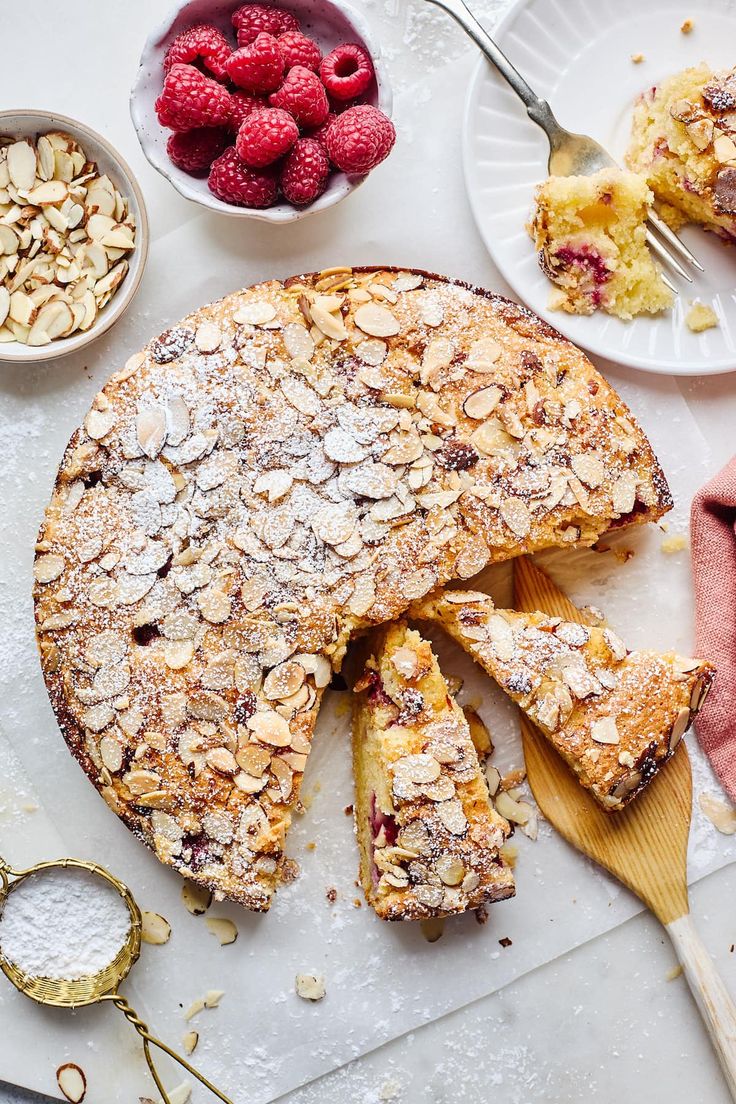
<point>265,479</point>
<point>445,858</point>
<point>615,716</point>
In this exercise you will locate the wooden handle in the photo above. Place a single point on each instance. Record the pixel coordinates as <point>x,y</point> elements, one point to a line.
<point>711,996</point>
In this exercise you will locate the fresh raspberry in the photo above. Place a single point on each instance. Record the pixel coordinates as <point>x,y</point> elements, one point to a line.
<point>204,43</point>
<point>195,150</point>
<point>320,132</point>
<point>241,105</point>
<point>305,172</point>
<point>257,67</point>
<point>233,182</point>
<point>359,139</point>
<point>297,49</point>
<point>347,71</point>
<point>266,135</point>
<point>189,99</point>
<point>250,20</point>
<point>303,96</point>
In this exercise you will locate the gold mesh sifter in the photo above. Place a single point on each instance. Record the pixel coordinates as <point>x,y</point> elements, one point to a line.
<point>103,985</point>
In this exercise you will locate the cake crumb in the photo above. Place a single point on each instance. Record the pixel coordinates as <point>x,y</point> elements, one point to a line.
<point>673,973</point>
<point>700,317</point>
<point>331,895</point>
<point>687,26</point>
<point>637,58</point>
<point>389,1091</point>
<point>506,942</point>
<point>676,543</point>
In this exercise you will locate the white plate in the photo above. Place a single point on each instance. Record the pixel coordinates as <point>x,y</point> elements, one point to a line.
<point>577,54</point>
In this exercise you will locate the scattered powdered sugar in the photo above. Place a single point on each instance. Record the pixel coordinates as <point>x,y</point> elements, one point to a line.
<point>63,923</point>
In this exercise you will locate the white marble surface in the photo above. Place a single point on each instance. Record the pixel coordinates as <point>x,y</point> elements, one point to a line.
<point>601,1023</point>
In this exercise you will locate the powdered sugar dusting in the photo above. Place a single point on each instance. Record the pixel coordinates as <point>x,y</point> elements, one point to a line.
<point>63,923</point>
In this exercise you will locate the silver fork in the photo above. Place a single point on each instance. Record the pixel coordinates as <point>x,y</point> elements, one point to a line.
<point>569,154</point>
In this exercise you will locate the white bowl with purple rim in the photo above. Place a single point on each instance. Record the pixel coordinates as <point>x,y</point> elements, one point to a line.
<point>328,22</point>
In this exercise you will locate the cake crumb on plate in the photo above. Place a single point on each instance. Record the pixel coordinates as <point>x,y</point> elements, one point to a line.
<point>701,317</point>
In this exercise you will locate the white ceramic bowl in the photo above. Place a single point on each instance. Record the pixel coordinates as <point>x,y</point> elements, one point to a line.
<point>30,124</point>
<point>329,22</point>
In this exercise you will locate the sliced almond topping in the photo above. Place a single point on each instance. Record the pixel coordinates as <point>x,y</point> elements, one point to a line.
<point>298,341</point>
<point>482,355</point>
<point>518,812</point>
<point>208,337</point>
<point>270,728</point>
<point>284,680</point>
<point>376,320</point>
<point>588,469</point>
<point>372,351</point>
<point>480,404</point>
<point>515,513</point>
<point>255,313</point>
<point>151,430</point>
<point>98,423</point>
<point>406,662</point>
<point>604,731</point>
<point>48,568</point>
<point>178,653</point>
<point>155,929</point>
<point>450,870</point>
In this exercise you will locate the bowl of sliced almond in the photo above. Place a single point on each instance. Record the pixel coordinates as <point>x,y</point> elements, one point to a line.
<point>73,235</point>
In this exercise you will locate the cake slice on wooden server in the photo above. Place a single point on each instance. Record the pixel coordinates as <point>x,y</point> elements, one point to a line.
<point>615,716</point>
<point>429,837</point>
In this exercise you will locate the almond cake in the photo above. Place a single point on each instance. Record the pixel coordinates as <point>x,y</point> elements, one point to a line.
<point>287,466</point>
<point>614,716</point>
<point>428,835</point>
<point>683,139</point>
<point>590,232</point>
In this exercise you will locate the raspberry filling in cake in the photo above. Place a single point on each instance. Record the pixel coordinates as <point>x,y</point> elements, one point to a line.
<point>683,140</point>
<point>590,232</point>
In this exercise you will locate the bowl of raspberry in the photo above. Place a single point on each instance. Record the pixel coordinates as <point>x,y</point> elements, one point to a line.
<point>263,111</point>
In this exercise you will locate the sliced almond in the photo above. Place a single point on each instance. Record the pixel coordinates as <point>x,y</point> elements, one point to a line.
<point>720,813</point>
<point>70,1077</point>
<point>155,929</point>
<point>605,731</point>
<point>196,899</point>
<point>22,169</point>
<point>223,929</point>
<point>49,192</point>
<point>376,320</point>
<point>481,404</point>
<point>189,1042</point>
<point>310,987</point>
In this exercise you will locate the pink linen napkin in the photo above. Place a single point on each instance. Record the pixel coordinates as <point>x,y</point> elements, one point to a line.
<point>713,543</point>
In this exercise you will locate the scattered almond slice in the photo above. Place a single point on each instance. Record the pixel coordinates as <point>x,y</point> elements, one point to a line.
<point>310,987</point>
<point>72,1082</point>
<point>155,929</point>
<point>224,929</point>
<point>721,814</point>
<point>196,899</point>
<point>189,1042</point>
<point>213,997</point>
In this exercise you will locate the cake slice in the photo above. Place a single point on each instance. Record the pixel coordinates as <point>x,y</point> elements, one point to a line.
<point>615,716</point>
<point>590,232</point>
<point>429,837</point>
<point>683,139</point>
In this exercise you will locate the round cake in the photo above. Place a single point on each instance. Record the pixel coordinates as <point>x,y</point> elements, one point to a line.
<point>277,472</point>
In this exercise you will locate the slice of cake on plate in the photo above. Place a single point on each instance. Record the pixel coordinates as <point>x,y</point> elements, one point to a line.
<point>590,232</point>
<point>683,140</point>
<point>615,716</point>
<point>428,835</point>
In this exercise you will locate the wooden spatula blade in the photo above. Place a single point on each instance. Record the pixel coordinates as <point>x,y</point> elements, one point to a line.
<point>643,845</point>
